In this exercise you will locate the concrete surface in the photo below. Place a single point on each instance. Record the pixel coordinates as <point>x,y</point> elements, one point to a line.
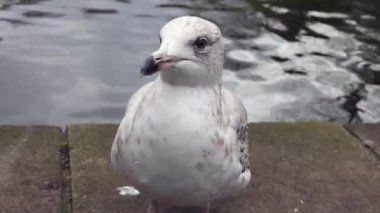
<point>301,167</point>
<point>308,167</point>
<point>30,169</point>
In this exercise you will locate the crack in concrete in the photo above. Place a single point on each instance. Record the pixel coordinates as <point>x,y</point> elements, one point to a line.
<point>66,196</point>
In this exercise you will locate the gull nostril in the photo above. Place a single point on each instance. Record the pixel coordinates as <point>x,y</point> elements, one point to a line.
<point>158,58</point>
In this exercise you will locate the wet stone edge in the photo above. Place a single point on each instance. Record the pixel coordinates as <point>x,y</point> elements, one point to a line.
<point>362,142</point>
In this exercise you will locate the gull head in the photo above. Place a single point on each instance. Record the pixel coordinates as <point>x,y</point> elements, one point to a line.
<point>191,53</point>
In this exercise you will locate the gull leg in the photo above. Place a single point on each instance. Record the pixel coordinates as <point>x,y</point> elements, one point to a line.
<point>153,207</point>
<point>207,209</point>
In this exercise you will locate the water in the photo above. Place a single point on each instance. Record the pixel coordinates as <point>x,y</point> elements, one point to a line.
<point>70,61</point>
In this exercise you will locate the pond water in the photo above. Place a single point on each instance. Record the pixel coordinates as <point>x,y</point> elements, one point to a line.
<point>70,61</point>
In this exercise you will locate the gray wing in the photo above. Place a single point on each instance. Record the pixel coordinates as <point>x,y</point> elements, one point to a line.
<point>236,116</point>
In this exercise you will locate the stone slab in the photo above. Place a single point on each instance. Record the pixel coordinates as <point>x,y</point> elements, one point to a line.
<point>302,167</point>
<point>30,169</point>
<point>369,134</point>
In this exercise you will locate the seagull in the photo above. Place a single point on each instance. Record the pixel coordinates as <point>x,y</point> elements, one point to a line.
<point>183,141</point>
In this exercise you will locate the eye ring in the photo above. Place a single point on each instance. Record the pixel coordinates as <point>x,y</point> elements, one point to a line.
<point>200,43</point>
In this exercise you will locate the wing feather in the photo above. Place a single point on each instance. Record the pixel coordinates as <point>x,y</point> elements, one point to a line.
<point>236,117</point>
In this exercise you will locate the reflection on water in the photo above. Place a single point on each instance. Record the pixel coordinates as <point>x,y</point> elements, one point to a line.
<point>289,60</point>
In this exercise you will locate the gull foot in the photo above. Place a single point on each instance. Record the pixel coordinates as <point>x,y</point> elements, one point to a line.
<point>207,209</point>
<point>153,207</point>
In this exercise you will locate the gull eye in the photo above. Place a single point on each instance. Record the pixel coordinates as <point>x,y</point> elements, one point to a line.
<point>200,43</point>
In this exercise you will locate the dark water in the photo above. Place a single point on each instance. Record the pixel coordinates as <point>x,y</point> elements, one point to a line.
<point>65,61</point>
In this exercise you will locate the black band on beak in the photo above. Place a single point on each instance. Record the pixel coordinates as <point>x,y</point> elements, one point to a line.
<point>149,67</point>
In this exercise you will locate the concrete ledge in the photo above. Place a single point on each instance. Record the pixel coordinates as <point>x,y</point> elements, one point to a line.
<point>30,169</point>
<point>307,167</point>
<point>301,167</point>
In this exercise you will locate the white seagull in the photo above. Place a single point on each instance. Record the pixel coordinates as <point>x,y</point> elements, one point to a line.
<point>183,140</point>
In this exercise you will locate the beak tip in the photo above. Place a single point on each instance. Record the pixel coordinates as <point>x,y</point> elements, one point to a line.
<point>149,67</point>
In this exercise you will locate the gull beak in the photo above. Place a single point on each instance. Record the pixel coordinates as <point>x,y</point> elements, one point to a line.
<point>154,64</point>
